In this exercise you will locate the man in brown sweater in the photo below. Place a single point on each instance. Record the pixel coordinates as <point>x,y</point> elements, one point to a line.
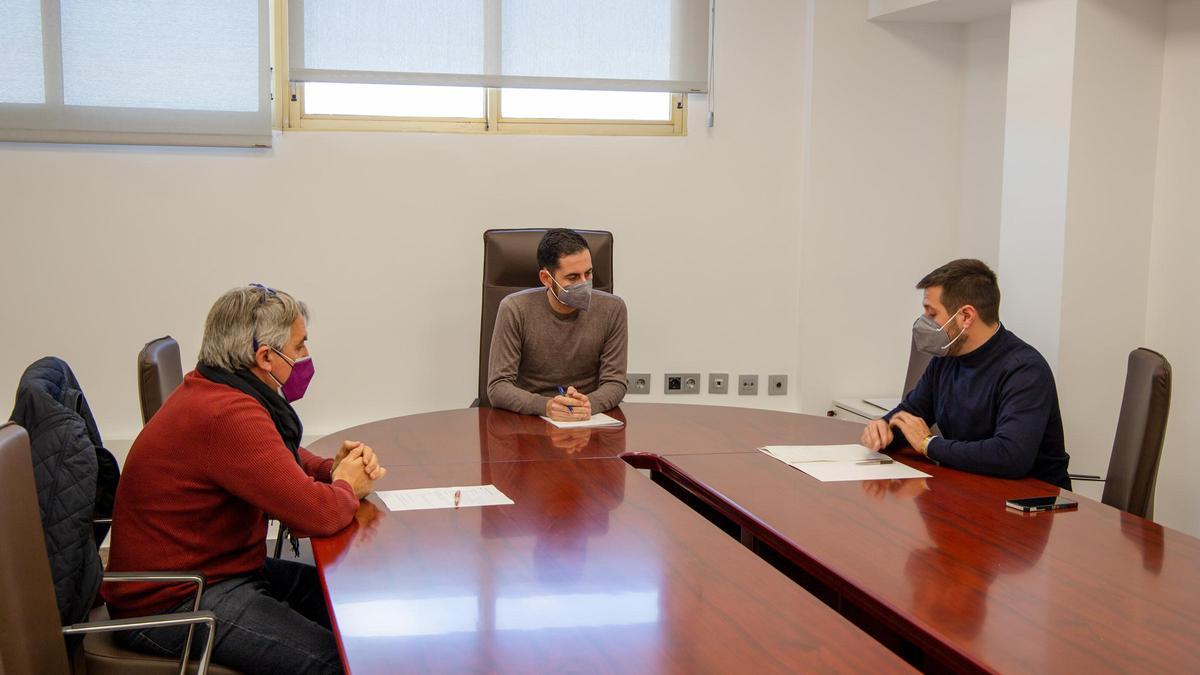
<point>559,350</point>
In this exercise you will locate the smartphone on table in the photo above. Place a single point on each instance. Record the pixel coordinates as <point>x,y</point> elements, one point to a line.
<point>1041,503</point>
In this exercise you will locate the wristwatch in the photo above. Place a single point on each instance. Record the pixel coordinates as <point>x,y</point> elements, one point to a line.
<point>925,444</point>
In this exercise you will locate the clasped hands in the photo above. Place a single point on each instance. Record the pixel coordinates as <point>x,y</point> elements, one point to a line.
<point>571,406</point>
<point>357,464</point>
<point>878,433</point>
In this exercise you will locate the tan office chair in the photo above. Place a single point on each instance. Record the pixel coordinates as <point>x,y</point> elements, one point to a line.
<point>1141,428</point>
<point>31,638</point>
<point>918,361</point>
<point>510,265</point>
<point>160,371</point>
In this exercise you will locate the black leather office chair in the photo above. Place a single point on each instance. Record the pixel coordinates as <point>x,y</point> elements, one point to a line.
<point>510,265</point>
<point>160,371</point>
<point>1141,429</point>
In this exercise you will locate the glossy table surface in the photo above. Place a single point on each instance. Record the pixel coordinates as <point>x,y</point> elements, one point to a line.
<point>491,435</point>
<point>1083,590</point>
<point>939,561</point>
<point>593,569</point>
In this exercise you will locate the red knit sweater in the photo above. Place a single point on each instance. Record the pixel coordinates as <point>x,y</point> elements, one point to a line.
<point>194,490</point>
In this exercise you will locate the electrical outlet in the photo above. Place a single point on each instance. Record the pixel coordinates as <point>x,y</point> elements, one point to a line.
<point>718,383</point>
<point>776,385</point>
<point>637,383</point>
<point>747,385</point>
<point>681,383</point>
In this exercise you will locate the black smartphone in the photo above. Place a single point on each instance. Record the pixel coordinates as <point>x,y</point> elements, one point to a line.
<point>1041,503</point>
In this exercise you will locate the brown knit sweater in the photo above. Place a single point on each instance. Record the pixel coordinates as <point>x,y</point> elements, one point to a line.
<point>535,350</point>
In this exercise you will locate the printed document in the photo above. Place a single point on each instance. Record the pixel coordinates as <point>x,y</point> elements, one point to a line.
<point>597,420</point>
<point>829,463</point>
<point>421,499</point>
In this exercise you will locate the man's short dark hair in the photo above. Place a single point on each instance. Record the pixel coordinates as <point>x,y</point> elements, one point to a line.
<point>967,281</point>
<point>557,243</point>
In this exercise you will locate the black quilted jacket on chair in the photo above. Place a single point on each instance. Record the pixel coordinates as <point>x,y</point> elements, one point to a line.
<point>76,480</point>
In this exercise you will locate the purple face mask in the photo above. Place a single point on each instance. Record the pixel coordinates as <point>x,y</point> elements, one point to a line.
<point>297,383</point>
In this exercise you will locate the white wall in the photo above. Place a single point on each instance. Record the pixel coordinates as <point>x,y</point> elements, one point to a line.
<point>108,247</point>
<point>1110,209</point>
<point>881,199</point>
<point>1172,321</point>
<point>986,87</point>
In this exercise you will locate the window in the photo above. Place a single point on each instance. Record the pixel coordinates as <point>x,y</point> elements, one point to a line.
<point>502,66</point>
<point>394,100</point>
<point>320,105</point>
<point>189,72</point>
<point>565,104</point>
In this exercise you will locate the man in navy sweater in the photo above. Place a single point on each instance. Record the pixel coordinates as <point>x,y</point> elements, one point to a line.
<point>991,395</point>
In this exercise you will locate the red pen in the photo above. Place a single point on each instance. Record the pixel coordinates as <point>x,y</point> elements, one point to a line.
<point>457,497</point>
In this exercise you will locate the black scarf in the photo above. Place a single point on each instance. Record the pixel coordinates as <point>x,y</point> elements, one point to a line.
<point>287,422</point>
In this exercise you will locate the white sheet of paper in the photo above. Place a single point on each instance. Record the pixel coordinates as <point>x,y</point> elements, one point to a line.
<point>597,420</point>
<point>820,453</point>
<point>420,499</point>
<point>883,403</point>
<point>829,463</point>
<point>828,472</point>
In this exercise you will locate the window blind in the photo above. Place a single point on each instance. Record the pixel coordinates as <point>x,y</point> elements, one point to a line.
<point>171,72</point>
<point>615,45</point>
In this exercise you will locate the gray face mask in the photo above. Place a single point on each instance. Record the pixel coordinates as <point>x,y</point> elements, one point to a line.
<point>578,296</point>
<point>930,338</point>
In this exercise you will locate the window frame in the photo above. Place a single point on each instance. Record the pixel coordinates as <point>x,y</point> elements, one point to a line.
<point>289,114</point>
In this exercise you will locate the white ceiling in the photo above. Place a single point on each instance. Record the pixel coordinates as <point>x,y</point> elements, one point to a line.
<point>946,11</point>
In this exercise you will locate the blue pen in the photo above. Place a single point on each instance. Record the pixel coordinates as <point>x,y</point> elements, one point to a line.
<point>563,392</point>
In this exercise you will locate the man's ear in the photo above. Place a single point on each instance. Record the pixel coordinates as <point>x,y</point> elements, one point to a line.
<point>969,316</point>
<point>262,358</point>
<point>544,277</point>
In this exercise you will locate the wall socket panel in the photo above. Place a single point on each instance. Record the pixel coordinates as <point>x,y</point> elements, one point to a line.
<point>747,385</point>
<point>776,385</point>
<point>681,383</point>
<point>718,383</point>
<point>637,383</point>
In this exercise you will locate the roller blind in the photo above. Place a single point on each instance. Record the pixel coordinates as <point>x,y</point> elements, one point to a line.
<point>616,45</point>
<point>173,72</point>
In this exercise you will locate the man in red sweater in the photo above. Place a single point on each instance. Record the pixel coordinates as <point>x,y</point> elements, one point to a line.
<point>221,455</point>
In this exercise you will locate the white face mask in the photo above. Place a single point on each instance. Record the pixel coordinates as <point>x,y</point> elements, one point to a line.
<point>930,338</point>
<point>577,295</point>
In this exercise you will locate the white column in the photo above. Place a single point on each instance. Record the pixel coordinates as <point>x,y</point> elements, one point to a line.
<point>1033,211</point>
<point>1081,133</point>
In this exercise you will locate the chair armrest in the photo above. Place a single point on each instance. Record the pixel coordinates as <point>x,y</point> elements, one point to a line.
<point>163,577</point>
<point>153,621</point>
<point>191,619</point>
<point>1084,476</point>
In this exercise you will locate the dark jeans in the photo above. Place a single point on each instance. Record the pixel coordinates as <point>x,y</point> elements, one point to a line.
<point>274,621</point>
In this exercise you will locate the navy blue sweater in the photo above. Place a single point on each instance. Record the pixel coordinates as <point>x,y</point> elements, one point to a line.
<point>997,410</point>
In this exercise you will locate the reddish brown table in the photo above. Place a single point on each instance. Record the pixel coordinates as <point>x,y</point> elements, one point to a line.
<point>491,435</point>
<point>942,564</point>
<point>593,569</point>
<point>937,570</point>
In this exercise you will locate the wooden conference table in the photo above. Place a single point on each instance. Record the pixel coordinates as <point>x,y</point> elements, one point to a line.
<point>596,568</point>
